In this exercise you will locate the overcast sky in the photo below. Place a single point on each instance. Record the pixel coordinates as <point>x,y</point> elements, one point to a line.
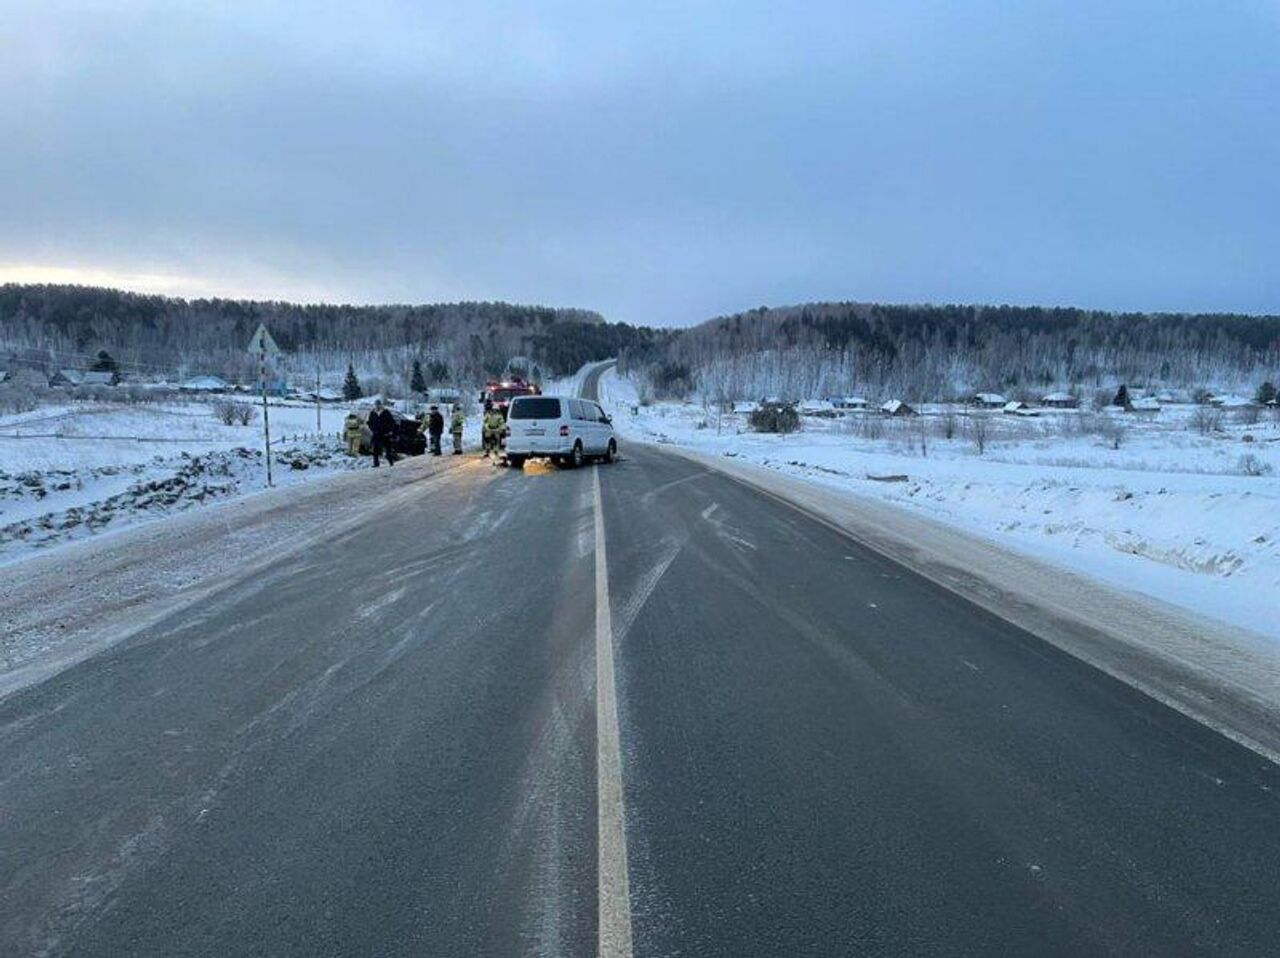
<point>662,162</point>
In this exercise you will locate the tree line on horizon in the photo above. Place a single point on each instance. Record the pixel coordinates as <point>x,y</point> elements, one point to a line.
<point>51,326</point>
<point>921,352</point>
<point>925,352</point>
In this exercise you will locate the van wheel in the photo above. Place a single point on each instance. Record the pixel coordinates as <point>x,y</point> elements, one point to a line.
<point>611,454</point>
<point>576,457</point>
<point>515,462</point>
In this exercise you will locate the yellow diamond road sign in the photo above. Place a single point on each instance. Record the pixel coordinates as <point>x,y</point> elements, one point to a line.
<point>262,342</point>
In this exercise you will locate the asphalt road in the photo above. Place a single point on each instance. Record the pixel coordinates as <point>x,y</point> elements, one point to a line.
<point>387,745</point>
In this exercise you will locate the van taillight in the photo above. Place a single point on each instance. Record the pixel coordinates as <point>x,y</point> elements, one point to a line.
<point>564,430</point>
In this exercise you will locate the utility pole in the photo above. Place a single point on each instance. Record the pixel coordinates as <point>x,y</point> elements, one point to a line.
<point>318,429</point>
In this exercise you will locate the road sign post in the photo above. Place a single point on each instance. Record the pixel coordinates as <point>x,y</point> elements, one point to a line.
<point>264,345</point>
<point>266,421</point>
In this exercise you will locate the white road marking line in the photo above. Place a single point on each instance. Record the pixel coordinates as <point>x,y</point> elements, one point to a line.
<point>614,902</point>
<point>706,513</point>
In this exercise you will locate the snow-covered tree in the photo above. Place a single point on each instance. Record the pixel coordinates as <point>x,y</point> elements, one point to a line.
<point>351,385</point>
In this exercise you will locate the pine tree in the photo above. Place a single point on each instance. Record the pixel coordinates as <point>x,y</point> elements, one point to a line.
<point>351,385</point>
<point>104,363</point>
<point>416,383</point>
<point>1122,397</point>
<point>1266,393</point>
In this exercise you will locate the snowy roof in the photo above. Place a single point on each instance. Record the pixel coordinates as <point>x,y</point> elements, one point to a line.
<point>745,406</point>
<point>1014,405</point>
<point>324,394</point>
<point>851,401</point>
<point>1231,401</point>
<point>197,383</point>
<point>817,405</point>
<point>72,376</point>
<point>1166,396</point>
<point>1058,397</point>
<point>1146,404</point>
<point>893,406</point>
<point>991,399</point>
<point>99,377</point>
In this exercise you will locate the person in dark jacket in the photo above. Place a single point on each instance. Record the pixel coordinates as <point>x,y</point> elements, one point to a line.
<point>435,426</point>
<point>383,426</point>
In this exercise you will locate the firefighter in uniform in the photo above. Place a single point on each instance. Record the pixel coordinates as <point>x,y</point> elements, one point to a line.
<point>352,433</point>
<point>494,424</point>
<point>456,422</point>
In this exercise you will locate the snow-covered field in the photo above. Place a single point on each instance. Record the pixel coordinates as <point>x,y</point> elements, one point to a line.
<point>1187,518</point>
<point>79,469</point>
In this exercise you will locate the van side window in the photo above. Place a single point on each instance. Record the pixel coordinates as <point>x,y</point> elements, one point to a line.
<point>575,405</point>
<point>601,416</point>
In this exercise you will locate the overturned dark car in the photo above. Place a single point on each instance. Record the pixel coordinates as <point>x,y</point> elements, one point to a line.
<point>408,440</point>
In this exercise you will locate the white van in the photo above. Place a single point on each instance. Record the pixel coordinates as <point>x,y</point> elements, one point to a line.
<point>565,430</point>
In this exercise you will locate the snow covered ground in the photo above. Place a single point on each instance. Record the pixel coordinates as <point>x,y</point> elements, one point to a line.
<point>569,385</point>
<point>71,471</point>
<point>1190,519</point>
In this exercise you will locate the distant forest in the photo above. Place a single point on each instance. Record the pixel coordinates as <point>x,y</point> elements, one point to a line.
<point>943,352</point>
<point>910,352</point>
<point>159,336</point>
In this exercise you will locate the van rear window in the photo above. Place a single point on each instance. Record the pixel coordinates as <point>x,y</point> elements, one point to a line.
<point>535,407</point>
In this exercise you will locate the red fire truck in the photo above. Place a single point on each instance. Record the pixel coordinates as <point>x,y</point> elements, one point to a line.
<point>500,392</point>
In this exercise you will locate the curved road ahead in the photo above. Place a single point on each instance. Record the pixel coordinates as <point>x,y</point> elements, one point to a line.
<point>392,743</point>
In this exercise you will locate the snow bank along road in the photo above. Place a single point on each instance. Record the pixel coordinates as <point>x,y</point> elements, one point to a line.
<point>635,710</point>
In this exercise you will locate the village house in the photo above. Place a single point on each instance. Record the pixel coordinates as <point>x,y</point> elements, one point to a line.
<point>821,408</point>
<point>1059,401</point>
<point>896,407</point>
<point>66,377</point>
<point>1016,407</point>
<point>26,376</point>
<point>100,377</point>
<point>989,400</point>
<point>325,394</point>
<point>1226,401</point>
<point>849,403</point>
<point>205,384</point>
